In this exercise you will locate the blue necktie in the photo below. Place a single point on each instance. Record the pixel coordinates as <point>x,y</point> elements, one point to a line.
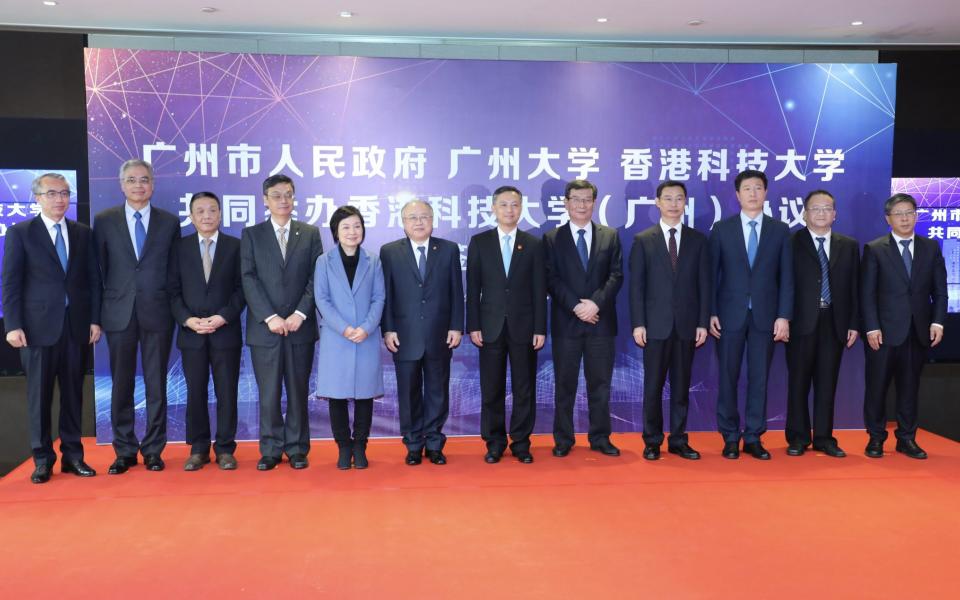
<point>507,253</point>
<point>752,244</point>
<point>824,272</point>
<point>582,247</point>
<point>422,262</point>
<point>907,257</point>
<point>61,248</point>
<point>140,233</point>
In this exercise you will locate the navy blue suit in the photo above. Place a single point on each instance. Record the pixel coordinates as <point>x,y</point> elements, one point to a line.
<point>421,311</point>
<point>748,301</point>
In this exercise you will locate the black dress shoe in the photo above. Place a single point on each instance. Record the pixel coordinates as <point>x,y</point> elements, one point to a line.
<point>345,457</point>
<point>153,462</point>
<point>523,456</point>
<point>651,452</point>
<point>684,451</point>
<point>731,450</point>
<point>830,449</point>
<point>436,457</point>
<point>267,463</point>
<point>911,449</point>
<point>874,448</point>
<point>756,450</point>
<point>605,448</point>
<point>41,474</point>
<point>360,454</point>
<point>78,468</point>
<point>414,457</point>
<point>299,461</point>
<point>796,449</point>
<point>561,451</point>
<point>122,464</point>
<point>492,457</point>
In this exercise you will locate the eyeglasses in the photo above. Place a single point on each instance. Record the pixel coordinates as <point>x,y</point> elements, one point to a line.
<point>820,210</point>
<point>581,201</point>
<point>418,218</point>
<point>52,194</point>
<point>275,196</point>
<point>904,213</point>
<point>136,180</point>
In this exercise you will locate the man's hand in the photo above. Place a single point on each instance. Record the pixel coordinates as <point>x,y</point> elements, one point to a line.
<point>477,338</point>
<point>277,326</point>
<point>701,338</point>
<point>391,341</point>
<point>875,339</point>
<point>587,311</point>
<point>294,322</point>
<point>640,336</point>
<point>936,335</point>
<point>453,338</point>
<point>357,335</point>
<point>715,327</point>
<point>17,338</point>
<point>199,325</point>
<point>852,336</point>
<point>539,341</point>
<point>94,334</point>
<point>781,330</point>
<point>216,322</point>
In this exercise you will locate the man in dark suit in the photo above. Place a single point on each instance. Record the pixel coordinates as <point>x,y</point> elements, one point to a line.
<point>584,273</point>
<point>422,324</point>
<point>277,260</point>
<point>753,303</point>
<point>134,241</point>
<point>826,315</point>
<point>206,295</point>
<point>903,301</point>
<point>507,318</point>
<point>51,295</point>
<point>670,309</point>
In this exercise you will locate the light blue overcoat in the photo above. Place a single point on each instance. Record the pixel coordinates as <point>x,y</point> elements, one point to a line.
<point>346,369</point>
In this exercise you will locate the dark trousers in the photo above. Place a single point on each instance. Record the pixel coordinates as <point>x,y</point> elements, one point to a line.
<point>423,396</point>
<point>225,364</point>
<point>730,348</point>
<point>903,364</point>
<point>340,420</point>
<point>597,353</point>
<point>813,359</point>
<point>285,365</point>
<point>493,392</point>
<point>660,356</point>
<point>63,362</point>
<point>154,356</point>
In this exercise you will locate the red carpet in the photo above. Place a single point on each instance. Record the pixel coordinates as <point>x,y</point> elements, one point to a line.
<point>585,526</point>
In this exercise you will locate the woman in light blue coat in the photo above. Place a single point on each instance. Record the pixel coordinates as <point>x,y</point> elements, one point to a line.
<point>348,289</point>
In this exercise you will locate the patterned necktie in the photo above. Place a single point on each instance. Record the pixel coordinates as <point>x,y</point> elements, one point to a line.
<point>507,253</point>
<point>283,242</point>
<point>674,255</point>
<point>907,257</point>
<point>582,247</point>
<point>422,262</point>
<point>140,233</point>
<point>61,248</point>
<point>207,259</point>
<point>824,271</point>
<point>752,243</point>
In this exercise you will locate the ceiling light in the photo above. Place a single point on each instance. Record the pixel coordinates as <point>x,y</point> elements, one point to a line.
<point>856,23</point>
<point>49,3</point>
<point>345,14</point>
<point>209,9</point>
<point>695,22</point>
<point>602,20</point>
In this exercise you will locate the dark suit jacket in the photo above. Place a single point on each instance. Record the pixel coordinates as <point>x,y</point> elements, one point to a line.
<point>192,296</point>
<point>769,284</point>
<point>567,281</point>
<point>274,286</point>
<point>129,283</point>
<point>890,300</point>
<point>662,300</point>
<point>844,283</point>
<point>35,286</point>
<point>494,297</point>
<point>421,312</point>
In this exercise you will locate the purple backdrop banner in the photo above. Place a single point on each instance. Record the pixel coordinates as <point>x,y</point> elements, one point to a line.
<point>377,132</point>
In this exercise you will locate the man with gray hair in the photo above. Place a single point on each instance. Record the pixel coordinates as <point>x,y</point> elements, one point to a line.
<point>422,324</point>
<point>51,295</point>
<point>134,241</point>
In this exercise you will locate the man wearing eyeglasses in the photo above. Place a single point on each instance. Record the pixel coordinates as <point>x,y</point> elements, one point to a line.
<point>277,259</point>
<point>134,242</point>
<point>422,324</point>
<point>903,299</point>
<point>51,295</point>
<point>826,314</point>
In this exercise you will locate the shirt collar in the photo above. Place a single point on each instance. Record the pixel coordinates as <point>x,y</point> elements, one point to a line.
<point>512,233</point>
<point>50,222</point>
<point>666,228</point>
<point>745,220</point>
<point>574,229</point>
<point>899,239</point>
<point>214,237</point>
<point>276,228</point>
<point>816,235</point>
<point>145,211</point>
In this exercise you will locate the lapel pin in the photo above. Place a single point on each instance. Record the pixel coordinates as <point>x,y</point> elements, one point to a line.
<point>434,247</point>
<point>519,247</point>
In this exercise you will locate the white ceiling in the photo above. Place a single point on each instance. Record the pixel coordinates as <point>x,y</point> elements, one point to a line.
<point>801,22</point>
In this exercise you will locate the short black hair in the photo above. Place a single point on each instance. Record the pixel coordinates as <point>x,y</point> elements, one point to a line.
<point>749,174</point>
<point>897,199</point>
<point>579,184</point>
<point>503,189</point>
<point>277,179</point>
<point>342,213</point>
<point>199,195</point>
<point>671,183</point>
<point>806,199</point>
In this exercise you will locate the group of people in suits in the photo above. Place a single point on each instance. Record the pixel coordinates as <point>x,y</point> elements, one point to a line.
<point>750,285</point>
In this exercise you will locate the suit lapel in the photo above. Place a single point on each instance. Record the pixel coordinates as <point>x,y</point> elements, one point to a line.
<point>272,244</point>
<point>218,256</point>
<point>683,249</point>
<point>339,271</point>
<point>736,229</point>
<point>836,247</point>
<point>518,252</point>
<point>765,235</point>
<point>410,256</point>
<point>293,239</point>
<point>432,248</point>
<point>594,245</point>
<point>894,255</point>
<point>39,230</point>
<point>363,266</point>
